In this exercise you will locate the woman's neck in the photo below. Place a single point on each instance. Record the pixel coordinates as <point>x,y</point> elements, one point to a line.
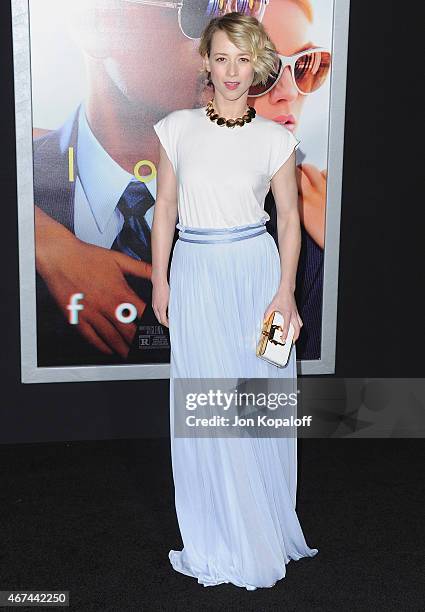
<point>230,109</point>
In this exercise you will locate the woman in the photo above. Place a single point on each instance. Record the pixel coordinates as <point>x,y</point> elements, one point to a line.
<point>235,496</point>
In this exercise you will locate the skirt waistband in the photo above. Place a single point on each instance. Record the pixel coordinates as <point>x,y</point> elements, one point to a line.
<point>221,234</point>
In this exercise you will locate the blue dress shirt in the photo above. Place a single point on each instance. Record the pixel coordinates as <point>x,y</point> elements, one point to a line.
<point>98,188</point>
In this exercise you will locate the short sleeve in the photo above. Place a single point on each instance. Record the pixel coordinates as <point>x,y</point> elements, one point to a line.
<point>166,129</point>
<point>285,145</point>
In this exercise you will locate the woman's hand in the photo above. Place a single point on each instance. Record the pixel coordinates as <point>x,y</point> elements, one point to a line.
<point>160,300</point>
<point>284,302</point>
<point>78,267</point>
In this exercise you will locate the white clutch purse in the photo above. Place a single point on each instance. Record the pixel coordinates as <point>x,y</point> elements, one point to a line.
<point>271,347</point>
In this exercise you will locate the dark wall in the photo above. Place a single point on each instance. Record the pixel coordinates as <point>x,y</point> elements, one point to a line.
<point>379,325</point>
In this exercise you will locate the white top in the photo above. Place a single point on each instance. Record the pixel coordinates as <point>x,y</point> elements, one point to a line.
<point>223,174</point>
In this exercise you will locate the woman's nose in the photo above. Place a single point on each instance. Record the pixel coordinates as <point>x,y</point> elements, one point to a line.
<point>232,69</point>
<point>284,88</point>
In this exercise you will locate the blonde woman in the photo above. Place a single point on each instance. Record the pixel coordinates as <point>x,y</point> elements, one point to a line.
<point>235,495</point>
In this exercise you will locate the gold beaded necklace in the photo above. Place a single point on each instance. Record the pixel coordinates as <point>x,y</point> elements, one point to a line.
<point>230,123</point>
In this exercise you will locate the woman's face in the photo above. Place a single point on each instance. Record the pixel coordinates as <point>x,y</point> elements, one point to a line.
<point>287,26</point>
<point>227,63</point>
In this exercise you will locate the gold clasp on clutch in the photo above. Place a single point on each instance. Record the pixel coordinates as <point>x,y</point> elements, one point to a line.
<point>271,334</point>
<point>267,334</point>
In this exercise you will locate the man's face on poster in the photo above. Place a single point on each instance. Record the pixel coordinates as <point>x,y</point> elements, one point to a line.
<point>151,63</point>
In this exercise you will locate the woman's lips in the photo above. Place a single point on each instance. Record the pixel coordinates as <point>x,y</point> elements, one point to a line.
<point>231,85</point>
<point>288,121</point>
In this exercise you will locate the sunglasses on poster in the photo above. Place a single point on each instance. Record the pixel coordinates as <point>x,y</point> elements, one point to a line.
<point>309,69</point>
<point>194,15</point>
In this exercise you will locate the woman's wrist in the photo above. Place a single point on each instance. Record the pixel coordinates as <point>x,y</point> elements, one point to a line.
<point>159,278</point>
<point>285,288</point>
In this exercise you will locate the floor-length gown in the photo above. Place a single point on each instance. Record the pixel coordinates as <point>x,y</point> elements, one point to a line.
<point>235,497</point>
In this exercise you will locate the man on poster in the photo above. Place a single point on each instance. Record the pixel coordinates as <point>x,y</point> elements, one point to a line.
<point>93,232</point>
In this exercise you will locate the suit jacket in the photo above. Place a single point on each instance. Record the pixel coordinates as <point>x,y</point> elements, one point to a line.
<point>58,342</point>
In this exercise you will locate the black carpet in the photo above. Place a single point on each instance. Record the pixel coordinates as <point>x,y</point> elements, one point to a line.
<point>97,519</point>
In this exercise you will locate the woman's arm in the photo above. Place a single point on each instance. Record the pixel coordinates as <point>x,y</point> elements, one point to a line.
<point>285,192</point>
<point>163,228</point>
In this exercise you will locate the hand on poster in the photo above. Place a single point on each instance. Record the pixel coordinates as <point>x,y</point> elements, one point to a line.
<point>98,274</point>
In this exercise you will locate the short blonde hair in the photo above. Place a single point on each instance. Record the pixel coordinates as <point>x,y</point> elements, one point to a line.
<point>249,35</point>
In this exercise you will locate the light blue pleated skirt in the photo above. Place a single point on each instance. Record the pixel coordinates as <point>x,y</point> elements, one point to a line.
<point>235,497</point>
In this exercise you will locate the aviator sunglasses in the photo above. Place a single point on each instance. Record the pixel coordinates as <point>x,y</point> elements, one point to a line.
<point>194,15</point>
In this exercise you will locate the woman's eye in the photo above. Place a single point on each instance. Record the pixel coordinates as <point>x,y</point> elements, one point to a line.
<point>244,59</point>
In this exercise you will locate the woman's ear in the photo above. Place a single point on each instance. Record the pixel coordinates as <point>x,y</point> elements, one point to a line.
<point>206,63</point>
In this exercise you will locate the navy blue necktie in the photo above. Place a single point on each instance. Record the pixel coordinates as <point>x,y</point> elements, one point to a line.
<point>134,238</point>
